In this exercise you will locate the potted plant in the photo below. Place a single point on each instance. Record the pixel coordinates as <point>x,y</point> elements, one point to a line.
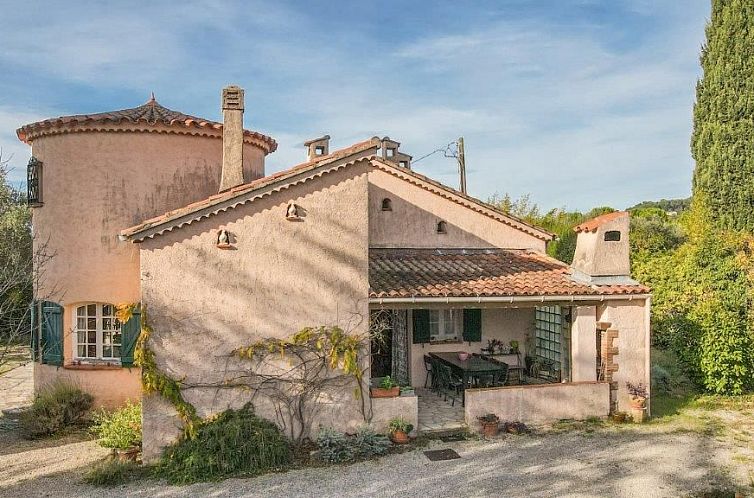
<point>637,401</point>
<point>490,424</point>
<point>514,347</point>
<point>387,389</point>
<point>399,429</point>
<point>407,391</point>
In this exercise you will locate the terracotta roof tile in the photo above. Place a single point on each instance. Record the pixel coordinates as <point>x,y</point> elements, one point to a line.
<point>594,223</point>
<point>409,273</point>
<point>150,113</point>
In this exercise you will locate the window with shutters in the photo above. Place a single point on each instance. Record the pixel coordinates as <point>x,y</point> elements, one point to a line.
<point>97,332</point>
<point>445,325</point>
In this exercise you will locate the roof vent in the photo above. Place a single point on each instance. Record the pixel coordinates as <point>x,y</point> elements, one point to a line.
<point>233,98</point>
<point>317,147</point>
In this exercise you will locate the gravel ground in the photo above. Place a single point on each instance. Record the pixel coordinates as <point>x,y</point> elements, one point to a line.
<point>606,462</point>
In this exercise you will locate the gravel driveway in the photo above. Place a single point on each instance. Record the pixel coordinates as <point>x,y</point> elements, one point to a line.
<point>604,463</point>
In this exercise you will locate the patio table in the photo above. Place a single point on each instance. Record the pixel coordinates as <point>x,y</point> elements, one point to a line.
<point>473,365</point>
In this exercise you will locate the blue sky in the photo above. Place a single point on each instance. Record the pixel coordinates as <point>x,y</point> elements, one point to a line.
<point>577,102</point>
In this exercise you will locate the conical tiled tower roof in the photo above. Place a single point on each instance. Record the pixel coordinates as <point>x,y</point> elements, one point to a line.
<point>150,114</point>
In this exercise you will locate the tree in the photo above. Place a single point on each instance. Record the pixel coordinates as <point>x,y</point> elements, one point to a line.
<point>16,266</point>
<point>722,144</point>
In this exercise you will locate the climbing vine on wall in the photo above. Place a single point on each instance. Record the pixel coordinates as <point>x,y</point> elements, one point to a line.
<point>152,379</point>
<point>340,349</point>
<point>319,358</point>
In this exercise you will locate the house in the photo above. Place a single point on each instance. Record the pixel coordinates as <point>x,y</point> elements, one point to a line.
<point>150,205</point>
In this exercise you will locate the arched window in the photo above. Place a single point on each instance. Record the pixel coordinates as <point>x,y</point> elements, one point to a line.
<point>97,332</point>
<point>387,204</point>
<point>442,227</point>
<point>612,236</point>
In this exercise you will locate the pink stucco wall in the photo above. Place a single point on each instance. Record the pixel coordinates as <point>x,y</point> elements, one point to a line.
<point>584,343</point>
<point>280,276</point>
<point>95,184</point>
<point>536,404</point>
<point>110,387</point>
<point>631,320</point>
<point>98,183</point>
<point>416,211</point>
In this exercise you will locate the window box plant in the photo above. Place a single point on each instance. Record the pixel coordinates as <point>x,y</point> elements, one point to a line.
<point>407,391</point>
<point>399,430</point>
<point>490,424</point>
<point>387,389</point>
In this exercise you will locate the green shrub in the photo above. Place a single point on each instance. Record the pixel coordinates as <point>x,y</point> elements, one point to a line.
<point>336,447</point>
<point>333,446</point>
<point>58,406</point>
<point>236,443</point>
<point>113,472</point>
<point>119,429</point>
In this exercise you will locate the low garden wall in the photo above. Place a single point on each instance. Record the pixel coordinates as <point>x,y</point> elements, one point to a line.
<point>385,409</point>
<point>542,403</point>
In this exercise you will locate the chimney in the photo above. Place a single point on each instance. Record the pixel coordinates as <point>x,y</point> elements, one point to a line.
<point>317,147</point>
<point>391,153</point>
<point>602,251</point>
<point>232,174</point>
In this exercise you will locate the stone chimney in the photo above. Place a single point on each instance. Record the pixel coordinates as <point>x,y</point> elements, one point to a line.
<point>232,174</point>
<point>391,153</point>
<point>317,147</point>
<point>602,251</point>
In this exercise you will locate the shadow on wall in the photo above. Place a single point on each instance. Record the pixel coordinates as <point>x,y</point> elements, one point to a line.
<point>205,302</point>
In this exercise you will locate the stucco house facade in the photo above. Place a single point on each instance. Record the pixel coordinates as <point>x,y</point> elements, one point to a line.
<point>153,206</point>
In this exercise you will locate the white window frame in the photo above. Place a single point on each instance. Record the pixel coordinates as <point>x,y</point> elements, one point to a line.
<point>445,325</point>
<point>99,317</point>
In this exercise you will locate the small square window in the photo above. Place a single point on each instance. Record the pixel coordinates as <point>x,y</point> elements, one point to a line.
<point>391,152</point>
<point>612,236</point>
<point>319,150</point>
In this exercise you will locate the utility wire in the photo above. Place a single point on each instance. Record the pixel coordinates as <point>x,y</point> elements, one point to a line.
<point>447,152</point>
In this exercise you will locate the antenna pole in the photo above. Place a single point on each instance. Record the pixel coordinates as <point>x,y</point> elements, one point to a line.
<point>462,164</point>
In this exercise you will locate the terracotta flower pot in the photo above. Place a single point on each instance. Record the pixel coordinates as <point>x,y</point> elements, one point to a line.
<point>490,429</point>
<point>399,437</point>
<point>378,392</point>
<point>639,415</point>
<point>638,403</point>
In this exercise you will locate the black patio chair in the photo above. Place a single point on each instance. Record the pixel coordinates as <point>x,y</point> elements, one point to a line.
<point>451,385</point>
<point>428,367</point>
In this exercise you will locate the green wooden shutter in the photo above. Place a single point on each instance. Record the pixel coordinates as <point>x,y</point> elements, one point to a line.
<point>34,341</point>
<point>421,326</point>
<point>472,325</point>
<point>52,333</point>
<point>129,335</point>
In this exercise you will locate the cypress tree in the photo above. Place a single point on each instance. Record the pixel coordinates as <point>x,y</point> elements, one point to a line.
<point>723,138</point>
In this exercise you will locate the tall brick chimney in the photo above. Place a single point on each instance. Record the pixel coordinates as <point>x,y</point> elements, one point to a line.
<point>232,174</point>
